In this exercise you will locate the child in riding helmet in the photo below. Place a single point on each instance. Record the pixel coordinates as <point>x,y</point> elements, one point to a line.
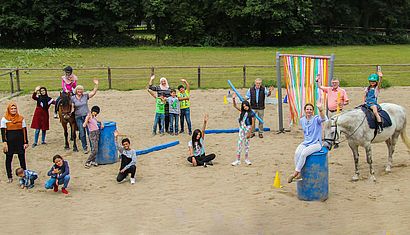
<point>68,84</point>
<point>246,124</point>
<point>371,95</point>
<point>40,118</point>
<point>91,122</point>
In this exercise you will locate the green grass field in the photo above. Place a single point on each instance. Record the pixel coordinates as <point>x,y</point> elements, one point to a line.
<point>194,56</point>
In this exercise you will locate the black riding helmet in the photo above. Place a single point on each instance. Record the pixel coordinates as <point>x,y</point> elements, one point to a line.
<point>68,69</point>
<point>95,109</point>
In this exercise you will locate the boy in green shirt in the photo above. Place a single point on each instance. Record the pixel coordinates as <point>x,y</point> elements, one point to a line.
<point>183,97</point>
<point>159,112</point>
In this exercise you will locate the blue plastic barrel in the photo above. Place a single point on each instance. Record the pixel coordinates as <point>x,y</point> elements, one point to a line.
<point>315,175</point>
<point>107,152</point>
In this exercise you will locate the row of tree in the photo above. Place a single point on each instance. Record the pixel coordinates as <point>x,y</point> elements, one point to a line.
<point>32,23</point>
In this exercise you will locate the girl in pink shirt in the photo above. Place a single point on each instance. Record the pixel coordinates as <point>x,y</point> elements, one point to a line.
<point>91,122</point>
<point>68,84</point>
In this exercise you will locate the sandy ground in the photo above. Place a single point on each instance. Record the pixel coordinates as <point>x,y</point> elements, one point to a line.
<point>171,197</point>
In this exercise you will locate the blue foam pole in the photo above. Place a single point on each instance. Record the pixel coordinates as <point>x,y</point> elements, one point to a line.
<point>156,148</point>
<point>233,130</point>
<point>241,99</point>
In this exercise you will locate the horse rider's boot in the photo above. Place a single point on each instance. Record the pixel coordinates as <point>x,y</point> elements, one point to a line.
<point>379,127</point>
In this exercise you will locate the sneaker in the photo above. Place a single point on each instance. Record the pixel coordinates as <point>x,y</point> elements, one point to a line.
<point>55,188</point>
<point>260,135</point>
<point>87,165</point>
<point>176,133</point>
<point>210,163</point>
<point>162,134</point>
<point>171,133</point>
<point>63,190</point>
<point>30,186</point>
<point>181,132</point>
<point>132,180</point>
<point>190,133</point>
<point>154,134</point>
<point>94,164</point>
<point>237,162</point>
<point>43,143</point>
<point>86,151</point>
<point>247,161</point>
<point>55,116</point>
<point>10,180</point>
<point>34,145</point>
<point>252,135</point>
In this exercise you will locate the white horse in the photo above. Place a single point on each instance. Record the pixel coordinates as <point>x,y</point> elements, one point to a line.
<point>354,126</point>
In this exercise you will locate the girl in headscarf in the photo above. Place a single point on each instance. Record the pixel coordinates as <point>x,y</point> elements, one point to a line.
<point>41,118</point>
<point>14,136</point>
<point>163,88</point>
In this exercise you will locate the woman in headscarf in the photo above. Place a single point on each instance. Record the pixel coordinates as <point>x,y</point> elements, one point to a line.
<point>163,88</point>
<point>41,118</point>
<point>14,137</point>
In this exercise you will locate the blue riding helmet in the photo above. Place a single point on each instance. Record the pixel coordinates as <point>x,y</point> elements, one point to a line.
<point>373,77</point>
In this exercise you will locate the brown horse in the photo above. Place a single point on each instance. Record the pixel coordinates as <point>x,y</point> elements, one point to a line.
<point>66,116</point>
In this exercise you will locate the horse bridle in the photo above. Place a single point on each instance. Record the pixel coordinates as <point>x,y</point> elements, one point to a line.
<point>331,142</point>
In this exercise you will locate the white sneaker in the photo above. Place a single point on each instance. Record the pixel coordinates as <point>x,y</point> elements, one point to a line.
<point>237,162</point>
<point>55,116</point>
<point>132,180</point>
<point>247,161</point>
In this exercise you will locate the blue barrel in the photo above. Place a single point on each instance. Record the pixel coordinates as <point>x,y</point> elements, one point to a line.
<point>107,152</point>
<point>315,175</point>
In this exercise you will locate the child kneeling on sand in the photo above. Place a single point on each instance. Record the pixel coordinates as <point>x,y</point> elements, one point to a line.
<point>60,174</point>
<point>128,159</point>
<point>27,177</point>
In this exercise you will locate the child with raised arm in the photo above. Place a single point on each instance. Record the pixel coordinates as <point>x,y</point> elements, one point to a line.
<point>27,178</point>
<point>59,174</point>
<point>159,112</point>
<point>197,148</point>
<point>91,122</point>
<point>370,97</point>
<point>183,97</point>
<point>128,158</point>
<point>41,118</point>
<point>246,124</point>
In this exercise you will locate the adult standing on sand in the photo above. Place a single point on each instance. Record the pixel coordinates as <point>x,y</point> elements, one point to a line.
<point>257,95</point>
<point>81,110</point>
<point>163,88</point>
<point>336,96</point>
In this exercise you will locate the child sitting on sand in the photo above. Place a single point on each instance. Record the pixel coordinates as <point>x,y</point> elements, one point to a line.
<point>128,159</point>
<point>197,148</point>
<point>27,178</point>
<point>59,174</point>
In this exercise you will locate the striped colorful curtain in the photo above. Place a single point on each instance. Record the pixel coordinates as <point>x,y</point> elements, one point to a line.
<point>299,74</point>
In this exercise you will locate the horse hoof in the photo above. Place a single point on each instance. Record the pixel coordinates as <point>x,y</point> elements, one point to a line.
<point>355,178</point>
<point>372,178</point>
<point>388,169</point>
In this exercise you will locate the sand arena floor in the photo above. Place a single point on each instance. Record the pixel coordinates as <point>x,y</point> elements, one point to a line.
<point>171,197</point>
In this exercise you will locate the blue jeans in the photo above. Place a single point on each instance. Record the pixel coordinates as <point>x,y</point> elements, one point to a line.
<point>37,133</point>
<point>159,118</point>
<point>82,135</point>
<point>185,113</point>
<point>173,118</point>
<point>52,181</point>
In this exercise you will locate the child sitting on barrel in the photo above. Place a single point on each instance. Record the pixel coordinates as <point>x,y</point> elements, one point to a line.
<point>312,132</point>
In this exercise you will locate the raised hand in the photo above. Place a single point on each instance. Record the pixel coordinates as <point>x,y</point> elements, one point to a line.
<point>152,77</point>
<point>116,133</point>
<point>206,117</point>
<point>96,82</point>
<point>183,80</point>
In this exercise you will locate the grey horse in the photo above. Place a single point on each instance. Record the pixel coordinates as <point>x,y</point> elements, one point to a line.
<point>354,126</point>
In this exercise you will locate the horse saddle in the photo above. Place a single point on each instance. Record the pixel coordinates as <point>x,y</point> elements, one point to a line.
<point>371,119</point>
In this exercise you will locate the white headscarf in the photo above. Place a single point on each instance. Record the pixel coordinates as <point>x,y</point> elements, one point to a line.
<point>166,87</point>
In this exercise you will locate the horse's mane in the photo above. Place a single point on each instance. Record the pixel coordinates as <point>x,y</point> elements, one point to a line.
<point>65,99</point>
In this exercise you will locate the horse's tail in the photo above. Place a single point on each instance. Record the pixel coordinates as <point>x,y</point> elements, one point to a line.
<point>404,137</point>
